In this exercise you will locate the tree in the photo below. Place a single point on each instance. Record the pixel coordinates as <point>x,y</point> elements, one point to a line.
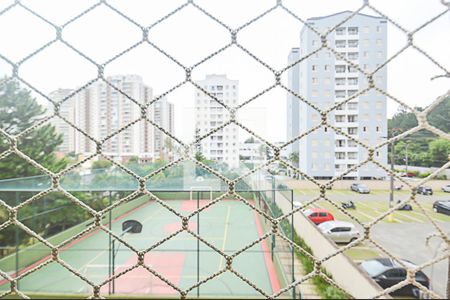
<point>439,152</point>
<point>20,111</point>
<point>294,158</point>
<point>101,164</point>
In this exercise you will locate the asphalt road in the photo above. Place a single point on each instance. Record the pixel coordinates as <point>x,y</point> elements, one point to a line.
<point>407,241</point>
<point>404,239</point>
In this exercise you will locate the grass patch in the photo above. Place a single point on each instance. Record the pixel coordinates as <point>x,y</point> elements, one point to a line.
<point>358,254</point>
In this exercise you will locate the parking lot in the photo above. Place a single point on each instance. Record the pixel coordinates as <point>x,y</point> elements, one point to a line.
<point>404,235</point>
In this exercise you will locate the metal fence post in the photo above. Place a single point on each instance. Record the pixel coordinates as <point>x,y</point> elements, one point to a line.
<point>17,237</point>
<point>110,246</point>
<point>198,243</point>
<point>292,247</point>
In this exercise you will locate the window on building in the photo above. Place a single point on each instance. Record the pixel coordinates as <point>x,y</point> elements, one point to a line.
<point>351,144</point>
<point>353,30</point>
<point>352,118</point>
<point>340,68</point>
<point>314,154</point>
<point>340,31</point>
<point>340,155</point>
<point>326,67</point>
<point>378,28</point>
<point>379,42</point>
<point>327,80</point>
<point>366,42</point>
<point>379,54</point>
<point>314,80</point>
<point>339,119</point>
<point>326,93</point>
<point>339,93</point>
<point>352,69</point>
<point>366,29</point>
<point>314,67</point>
<point>379,104</point>
<point>353,43</point>
<point>353,81</point>
<point>340,43</point>
<point>315,93</point>
<point>340,107</point>
<point>352,155</point>
<point>379,117</point>
<point>314,143</point>
<point>352,92</point>
<point>340,81</point>
<point>353,55</point>
<point>377,128</point>
<point>352,130</point>
<point>366,67</point>
<point>364,128</point>
<point>365,54</point>
<point>340,143</point>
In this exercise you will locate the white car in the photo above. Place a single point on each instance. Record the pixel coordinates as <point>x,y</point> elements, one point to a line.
<point>446,188</point>
<point>339,231</point>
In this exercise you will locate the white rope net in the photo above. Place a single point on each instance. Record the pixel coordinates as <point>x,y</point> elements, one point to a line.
<point>189,148</point>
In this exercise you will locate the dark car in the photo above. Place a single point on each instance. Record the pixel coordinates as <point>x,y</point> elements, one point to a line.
<point>424,190</point>
<point>388,272</point>
<point>360,188</point>
<point>442,206</point>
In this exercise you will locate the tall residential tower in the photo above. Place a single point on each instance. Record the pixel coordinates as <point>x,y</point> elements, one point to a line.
<point>326,80</point>
<point>223,145</point>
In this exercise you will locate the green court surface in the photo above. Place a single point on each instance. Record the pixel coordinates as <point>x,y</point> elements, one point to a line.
<point>228,225</point>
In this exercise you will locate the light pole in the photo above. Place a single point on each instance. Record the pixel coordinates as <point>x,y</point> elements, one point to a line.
<point>406,158</point>
<point>128,226</point>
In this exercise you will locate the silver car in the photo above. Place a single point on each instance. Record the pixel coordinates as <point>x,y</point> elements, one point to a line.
<point>446,188</point>
<point>339,231</point>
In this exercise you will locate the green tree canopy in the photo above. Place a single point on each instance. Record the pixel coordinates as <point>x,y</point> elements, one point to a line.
<point>18,112</point>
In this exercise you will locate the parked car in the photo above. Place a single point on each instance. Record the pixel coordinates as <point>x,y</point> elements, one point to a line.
<point>318,215</point>
<point>339,231</point>
<point>442,206</point>
<point>446,188</point>
<point>424,190</point>
<point>360,188</point>
<point>407,174</point>
<point>388,272</point>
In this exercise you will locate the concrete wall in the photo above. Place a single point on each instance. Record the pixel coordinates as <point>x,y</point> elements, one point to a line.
<point>344,271</point>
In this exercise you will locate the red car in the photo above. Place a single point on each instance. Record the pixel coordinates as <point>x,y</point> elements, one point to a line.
<point>318,215</point>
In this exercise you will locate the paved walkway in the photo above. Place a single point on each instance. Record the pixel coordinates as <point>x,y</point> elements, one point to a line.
<point>306,289</point>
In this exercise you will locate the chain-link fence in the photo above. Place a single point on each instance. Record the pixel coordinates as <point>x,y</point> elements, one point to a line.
<point>12,139</point>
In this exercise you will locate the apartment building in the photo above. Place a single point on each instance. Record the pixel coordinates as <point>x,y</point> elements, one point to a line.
<point>102,109</point>
<point>66,111</point>
<point>327,80</point>
<point>223,145</point>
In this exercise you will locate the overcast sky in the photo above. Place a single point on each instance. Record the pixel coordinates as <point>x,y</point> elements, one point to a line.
<point>189,36</point>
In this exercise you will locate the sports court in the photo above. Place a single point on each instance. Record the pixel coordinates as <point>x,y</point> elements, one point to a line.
<point>229,225</point>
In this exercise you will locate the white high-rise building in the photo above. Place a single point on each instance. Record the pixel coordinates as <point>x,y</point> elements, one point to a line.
<point>326,80</point>
<point>222,145</point>
<point>67,111</point>
<point>100,110</point>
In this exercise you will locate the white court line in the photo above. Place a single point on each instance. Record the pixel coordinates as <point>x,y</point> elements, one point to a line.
<point>227,219</point>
